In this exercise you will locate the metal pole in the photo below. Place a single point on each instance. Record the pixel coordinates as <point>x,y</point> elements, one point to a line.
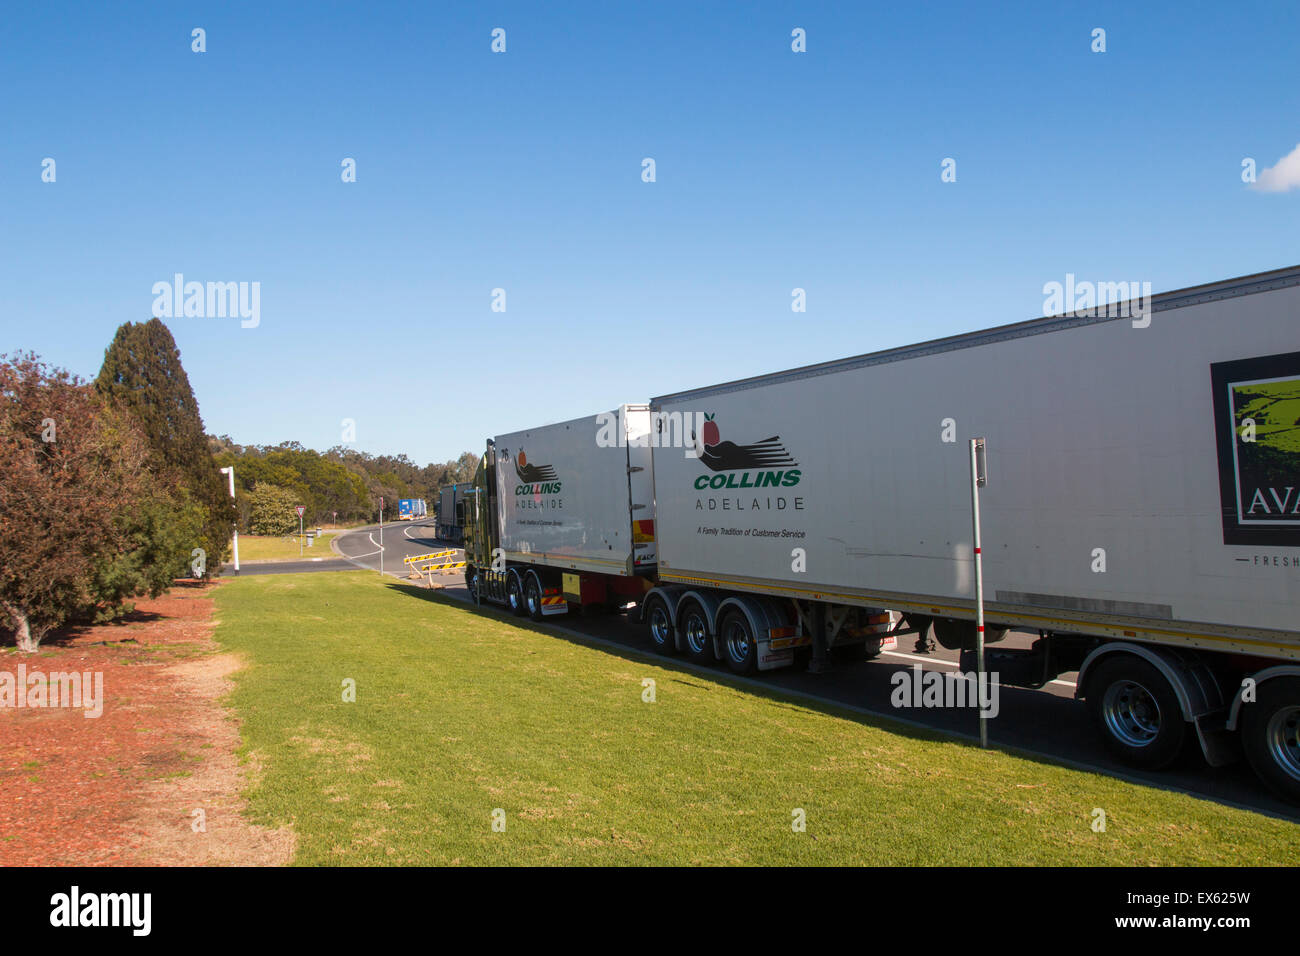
<point>977,479</point>
<point>381,536</point>
<point>820,662</point>
<point>300,534</point>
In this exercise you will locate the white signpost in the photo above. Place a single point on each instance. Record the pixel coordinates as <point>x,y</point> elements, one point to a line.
<point>230,473</point>
<point>978,477</point>
<point>300,509</point>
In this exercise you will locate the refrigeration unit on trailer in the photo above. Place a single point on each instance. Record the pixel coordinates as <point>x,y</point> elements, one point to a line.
<point>1142,513</point>
<point>563,515</point>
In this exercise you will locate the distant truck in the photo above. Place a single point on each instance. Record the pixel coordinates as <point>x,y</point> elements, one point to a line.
<point>1142,515</point>
<point>411,509</point>
<point>451,512</point>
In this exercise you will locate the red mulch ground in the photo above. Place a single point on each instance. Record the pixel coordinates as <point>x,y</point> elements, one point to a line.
<point>121,789</point>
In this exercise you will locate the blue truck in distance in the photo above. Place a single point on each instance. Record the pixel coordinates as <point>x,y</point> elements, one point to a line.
<point>409,509</point>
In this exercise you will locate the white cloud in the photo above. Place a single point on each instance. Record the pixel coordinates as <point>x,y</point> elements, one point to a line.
<point>1284,175</point>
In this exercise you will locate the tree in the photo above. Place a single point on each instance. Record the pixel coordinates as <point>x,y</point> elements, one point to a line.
<point>142,374</point>
<point>69,469</point>
<point>271,510</point>
<point>341,480</point>
<point>464,467</point>
<point>157,535</point>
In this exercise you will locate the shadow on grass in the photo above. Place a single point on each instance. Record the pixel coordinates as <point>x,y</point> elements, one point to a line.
<point>1233,784</point>
<point>700,677</point>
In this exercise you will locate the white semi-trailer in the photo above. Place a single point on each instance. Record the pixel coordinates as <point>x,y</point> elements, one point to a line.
<point>569,509</point>
<point>1142,513</point>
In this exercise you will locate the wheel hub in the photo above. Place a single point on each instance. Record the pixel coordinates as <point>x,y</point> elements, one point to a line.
<point>659,625</point>
<point>1283,738</point>
<point>695,634</point>
<point>1131,713</point>
<point>737,643</point>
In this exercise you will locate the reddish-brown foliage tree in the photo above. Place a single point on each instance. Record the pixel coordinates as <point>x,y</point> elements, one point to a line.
<point>68,468</point>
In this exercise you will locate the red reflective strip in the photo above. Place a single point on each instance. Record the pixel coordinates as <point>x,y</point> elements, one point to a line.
<point>980,628</point>
<point>977,550</point>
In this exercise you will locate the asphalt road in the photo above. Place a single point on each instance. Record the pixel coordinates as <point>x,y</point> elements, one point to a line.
<point>358,548</point>
<point>362,546</point>
<point>1048,723</point>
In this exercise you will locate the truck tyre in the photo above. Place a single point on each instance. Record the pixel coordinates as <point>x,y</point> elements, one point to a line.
<point>1270,735</point>
<point>515,594</point>
<point>471,583</point>
<point>739,644</point>
<point>1137,712</point>
<point>658,625</point>
<point>533,596</point>
<point>694,624</point>
<point>954,635</point>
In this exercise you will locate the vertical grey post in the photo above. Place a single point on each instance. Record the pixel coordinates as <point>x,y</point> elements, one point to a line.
<point>300,534</point>
<point>977,478</point>
<point>820,662</point>
<point>381,536</point>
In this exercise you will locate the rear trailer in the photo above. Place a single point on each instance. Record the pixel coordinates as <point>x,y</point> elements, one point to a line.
<point>451,512</point>
<point>1142,514</point>
<point>563,516</point>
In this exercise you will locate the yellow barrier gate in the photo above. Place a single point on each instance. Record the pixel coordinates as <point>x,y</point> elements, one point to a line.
<point>436,562</point>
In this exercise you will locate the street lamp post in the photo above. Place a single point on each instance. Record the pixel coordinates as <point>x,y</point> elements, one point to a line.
<point>230,473</point>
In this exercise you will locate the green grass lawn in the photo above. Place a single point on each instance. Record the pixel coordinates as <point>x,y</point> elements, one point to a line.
<point>459,713</point>
<point>254,547</point>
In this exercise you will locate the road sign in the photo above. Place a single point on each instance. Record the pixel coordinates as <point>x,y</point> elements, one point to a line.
<point>300,509</point>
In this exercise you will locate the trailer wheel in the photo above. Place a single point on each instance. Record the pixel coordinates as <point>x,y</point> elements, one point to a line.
<point>1270,736</point>
<point>952,635</point>
<point>739,643</point>
<point>515,594</point>
<point>1137,712</point>
<point>533,597</point>
<point>471,583</point>
<point>658,624</point>
<point>695,633</point>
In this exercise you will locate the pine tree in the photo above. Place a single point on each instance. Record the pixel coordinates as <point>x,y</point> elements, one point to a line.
<point>142,374</point>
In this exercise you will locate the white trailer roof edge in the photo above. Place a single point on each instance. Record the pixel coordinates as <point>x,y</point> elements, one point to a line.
<point>1161,302</point>
<point>581,419</point>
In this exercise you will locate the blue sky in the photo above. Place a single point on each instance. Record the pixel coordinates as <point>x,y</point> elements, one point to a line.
<point>522,171</point>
